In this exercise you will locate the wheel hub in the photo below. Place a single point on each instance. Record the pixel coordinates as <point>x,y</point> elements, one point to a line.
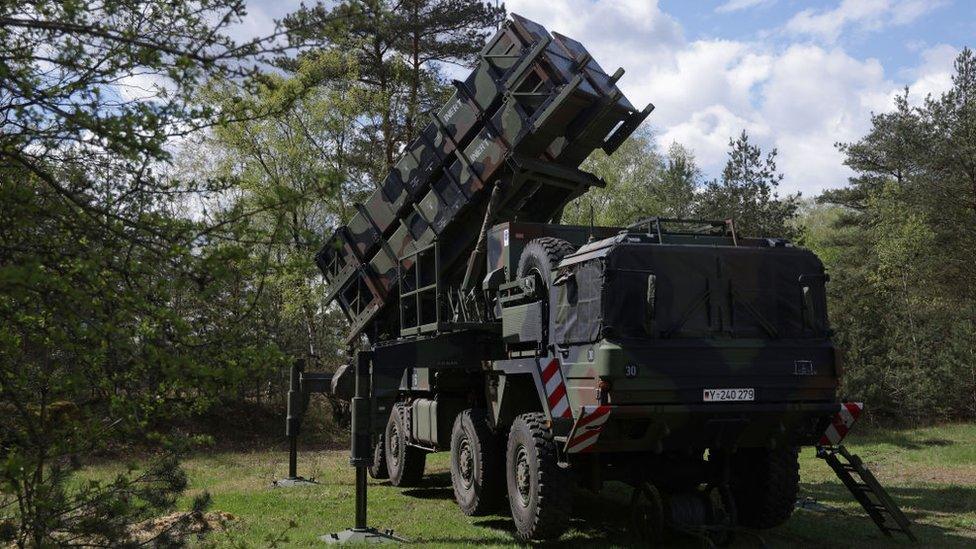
<point>465,462</point>
<point>647,513</point>
<point>394,444</point>
<point>523,480</point>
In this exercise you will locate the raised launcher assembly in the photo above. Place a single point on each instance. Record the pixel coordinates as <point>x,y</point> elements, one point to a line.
<point>506,146</point>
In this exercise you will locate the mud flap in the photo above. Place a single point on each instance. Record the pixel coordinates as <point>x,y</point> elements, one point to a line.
<point>587,428</point>
<point>554,387</point>
<point>841,423</point>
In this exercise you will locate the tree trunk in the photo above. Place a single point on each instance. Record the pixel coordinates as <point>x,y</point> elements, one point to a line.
<point>415,83</point>
<point>312,358</point>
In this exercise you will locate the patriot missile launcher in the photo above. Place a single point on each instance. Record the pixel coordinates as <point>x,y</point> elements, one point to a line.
<point>677,356</point>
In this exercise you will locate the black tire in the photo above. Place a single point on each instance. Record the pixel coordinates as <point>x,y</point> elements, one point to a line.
<point>764,485</point>
<point>538,488</point>
<point>404,463</point>
<point>377,468</point>
<point>541,255</point>
<point>476,464</point>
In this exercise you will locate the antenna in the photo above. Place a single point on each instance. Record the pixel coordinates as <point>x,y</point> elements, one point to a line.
<point>591,223</point>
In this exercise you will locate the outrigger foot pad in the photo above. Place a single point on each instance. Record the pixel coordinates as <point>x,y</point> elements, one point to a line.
<point>293,481</point>
<point>362,535</point>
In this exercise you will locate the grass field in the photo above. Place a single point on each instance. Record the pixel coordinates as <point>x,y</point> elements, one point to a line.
<point>931,472</point>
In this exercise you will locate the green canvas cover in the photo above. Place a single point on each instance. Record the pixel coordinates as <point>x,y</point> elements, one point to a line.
<point>696,291</point>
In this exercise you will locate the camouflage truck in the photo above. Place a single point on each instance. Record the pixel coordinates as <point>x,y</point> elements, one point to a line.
<point>676,356</point>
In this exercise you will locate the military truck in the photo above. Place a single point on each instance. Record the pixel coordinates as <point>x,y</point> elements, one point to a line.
<point>677,356</point>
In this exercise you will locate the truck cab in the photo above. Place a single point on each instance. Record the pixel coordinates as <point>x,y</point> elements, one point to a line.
<point>672,351</point>
<point>688,334</point>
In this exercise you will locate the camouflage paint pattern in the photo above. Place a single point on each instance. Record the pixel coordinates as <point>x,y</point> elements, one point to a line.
<point>443,202</point>
<point>407,168</point>
<point>337,261</point>
<point>670,376</point>
<point>363,232</point>
<point>380,211</point>
<point>394,193</point>
<point>456,121</point>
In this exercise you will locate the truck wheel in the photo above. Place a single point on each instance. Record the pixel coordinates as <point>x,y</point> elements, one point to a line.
<point>476,471</point>
<point>405,463</point>
<point>377,468</point>
<point>541,255</point>
<point>764,485</point>
<point>538,488</point>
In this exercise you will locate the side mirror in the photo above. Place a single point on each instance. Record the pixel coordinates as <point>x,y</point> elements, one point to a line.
<point>808,315</point>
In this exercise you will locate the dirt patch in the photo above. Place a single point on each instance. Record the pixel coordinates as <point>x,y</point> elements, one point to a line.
<point>957,476</point>
<point>907,473</point>
<point>181,525</point>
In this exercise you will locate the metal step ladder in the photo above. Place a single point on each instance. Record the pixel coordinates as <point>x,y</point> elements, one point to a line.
<point>866,490</point>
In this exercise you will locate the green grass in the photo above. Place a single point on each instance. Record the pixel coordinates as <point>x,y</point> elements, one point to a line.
<point>931,472</point>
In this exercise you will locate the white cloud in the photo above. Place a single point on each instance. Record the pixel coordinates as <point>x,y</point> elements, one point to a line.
<point>739,5</point>
<point>260,18</point>
<point>934,73</point>
<point>864,15</point>
<point>707,133</point>
<point>813,99</point>
<point>907,11</point>
<point>800,100</point>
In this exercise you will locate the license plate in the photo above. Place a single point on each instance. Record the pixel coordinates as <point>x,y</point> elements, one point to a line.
<point>728,395</point>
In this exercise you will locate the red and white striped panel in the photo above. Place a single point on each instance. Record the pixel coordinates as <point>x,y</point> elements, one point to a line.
<point>588,428</point>
<point>841,423</point>
<point>552,380</point>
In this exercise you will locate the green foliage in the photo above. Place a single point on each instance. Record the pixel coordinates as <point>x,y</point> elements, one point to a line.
<point>641,183</point>
<point>747,194</point>
<point>100,340</point>
<point>900,248</point>
<point>118,314</point>
<point>633,190</point>
<point>399,48</point>
<point>99,86</point>
<point>346,106</point>
<point>293,180</point>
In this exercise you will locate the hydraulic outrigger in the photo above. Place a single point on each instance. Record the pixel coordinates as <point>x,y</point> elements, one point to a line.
<point>301,385</point>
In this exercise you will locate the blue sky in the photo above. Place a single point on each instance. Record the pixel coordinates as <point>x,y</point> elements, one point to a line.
<point>896,45</point>
<point>797,75</point>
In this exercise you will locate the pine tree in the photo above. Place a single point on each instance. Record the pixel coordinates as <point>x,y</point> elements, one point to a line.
<point>903,296</point>
<point>746,193</point>
<point>401,51</point>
